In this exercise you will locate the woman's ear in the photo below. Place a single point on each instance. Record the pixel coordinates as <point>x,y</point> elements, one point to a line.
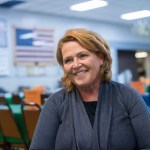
<point>101,61</point>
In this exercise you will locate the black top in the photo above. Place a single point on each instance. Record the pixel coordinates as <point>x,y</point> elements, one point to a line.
<point>90,109</point>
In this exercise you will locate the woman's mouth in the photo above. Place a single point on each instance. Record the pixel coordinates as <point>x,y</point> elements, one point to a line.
<point>80,72</point>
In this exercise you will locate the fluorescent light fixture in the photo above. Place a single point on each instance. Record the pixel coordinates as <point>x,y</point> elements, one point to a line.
<point>92,4</point>
<point>141,54</point>
<point>136,15</point>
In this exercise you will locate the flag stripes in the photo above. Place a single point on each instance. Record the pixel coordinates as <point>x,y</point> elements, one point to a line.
<point>34,46</point>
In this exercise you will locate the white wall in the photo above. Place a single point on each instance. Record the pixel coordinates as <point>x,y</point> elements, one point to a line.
<point>119,36</point>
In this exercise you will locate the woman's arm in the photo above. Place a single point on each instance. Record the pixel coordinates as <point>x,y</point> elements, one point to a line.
<point>46,129</point>
<point>140,121</point>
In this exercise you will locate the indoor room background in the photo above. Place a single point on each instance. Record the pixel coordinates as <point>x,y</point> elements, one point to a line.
<point>14,75</point>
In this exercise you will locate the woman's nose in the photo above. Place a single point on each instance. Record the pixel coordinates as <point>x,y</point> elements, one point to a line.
<point>76,63</point>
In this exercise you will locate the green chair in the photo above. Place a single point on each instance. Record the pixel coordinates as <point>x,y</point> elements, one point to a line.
<point>9,128</point>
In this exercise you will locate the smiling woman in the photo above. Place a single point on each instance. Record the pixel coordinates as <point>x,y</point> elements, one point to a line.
<point>90,44</point>
<point>91,112</point>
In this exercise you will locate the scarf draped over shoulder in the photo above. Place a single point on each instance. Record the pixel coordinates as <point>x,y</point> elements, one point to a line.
<point>95,138</point>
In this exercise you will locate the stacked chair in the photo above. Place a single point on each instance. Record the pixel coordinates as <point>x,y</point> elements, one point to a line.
<point>32,95</point>
<point>9,128</point>
<point>2,99</point>
<point>139,86</point>
<point>19,118</point>
<point>31,112</point>
<point>16,99</point>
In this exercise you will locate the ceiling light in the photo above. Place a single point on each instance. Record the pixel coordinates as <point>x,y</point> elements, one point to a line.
<point>136,15</point>
<point>141,54</point>
<point>92,4</point>
<point>11,3</point>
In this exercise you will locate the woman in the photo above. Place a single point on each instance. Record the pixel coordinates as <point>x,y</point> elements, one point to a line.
<point>91,112</point>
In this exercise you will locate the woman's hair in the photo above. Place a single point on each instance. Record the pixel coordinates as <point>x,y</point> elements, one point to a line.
<point>92,42</point>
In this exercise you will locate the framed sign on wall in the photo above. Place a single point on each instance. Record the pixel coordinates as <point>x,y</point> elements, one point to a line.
<point>33,46</point>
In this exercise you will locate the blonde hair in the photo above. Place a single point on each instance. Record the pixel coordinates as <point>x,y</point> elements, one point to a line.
<point>92,42</point>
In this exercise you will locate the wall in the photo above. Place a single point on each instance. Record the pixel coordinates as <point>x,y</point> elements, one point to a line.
<point>147,65</point>
<point>119,37</point>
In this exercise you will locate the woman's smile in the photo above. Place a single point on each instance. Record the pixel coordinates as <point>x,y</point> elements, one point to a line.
<point>79,72</point>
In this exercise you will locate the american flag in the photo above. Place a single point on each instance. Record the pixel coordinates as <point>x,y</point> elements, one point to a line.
<point>34,46</point>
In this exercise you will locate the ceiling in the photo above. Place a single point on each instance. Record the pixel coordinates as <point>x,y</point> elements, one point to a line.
<point>110,13</point>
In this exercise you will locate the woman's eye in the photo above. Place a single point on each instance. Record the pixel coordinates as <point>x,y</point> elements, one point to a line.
<point>83,55</point>
<point>67,61</point>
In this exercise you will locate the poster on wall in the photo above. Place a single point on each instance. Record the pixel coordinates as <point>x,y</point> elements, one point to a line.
<point>4,65</point>
<point>33,46</point>
<point>3,33</point>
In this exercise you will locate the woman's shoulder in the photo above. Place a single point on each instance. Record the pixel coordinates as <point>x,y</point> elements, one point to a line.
<point>126,94</point>
<point>59,93</point>
<point>126,89</point>
<point>57,99</point>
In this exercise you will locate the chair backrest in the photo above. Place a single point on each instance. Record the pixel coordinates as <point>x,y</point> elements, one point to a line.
<point>147,81</point>
<point>32,96</point>
<point>41,89</point>
<point>44,97</point>
<point>2,99</point>
<point>139,86</point>
<point>30,117</point>
<point>16,99</point>
<point>8,125</point>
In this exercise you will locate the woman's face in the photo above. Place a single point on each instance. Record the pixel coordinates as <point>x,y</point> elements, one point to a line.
<point>81,66</point>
